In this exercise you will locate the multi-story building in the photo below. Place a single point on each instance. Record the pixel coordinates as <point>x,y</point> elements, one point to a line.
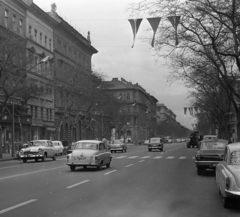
<point>164,113</point>
<point>72,73</point>
<point>39,33</point>
<point>140,107</point>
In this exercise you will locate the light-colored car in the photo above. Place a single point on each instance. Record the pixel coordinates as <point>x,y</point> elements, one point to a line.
<point>58,146</point>
<point>89,153</point>
<point>38,149</point>
<point>228,174</point>
<point>118,145</point>
<point>209,154</point>
<point>155,143</point>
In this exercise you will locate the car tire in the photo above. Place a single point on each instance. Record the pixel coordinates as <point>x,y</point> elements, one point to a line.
<point>199,171</point>
<point>24,160</point>
<point>226,202</point>
<point>72,168</point>
<point>108,164</point>
<point>84,167</point>
<point>54,157</point>
<point>99,167</point>
<point>36,159</point>
<point>149,149</point>
<point>44,157</point>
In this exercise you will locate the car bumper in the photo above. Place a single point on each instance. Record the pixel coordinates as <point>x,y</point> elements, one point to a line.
<point>232,194</point>
<point>83,162</point>
<point>210,164</point>
<point>31,156</point>
<point>116,149</point>
<point>155,147</point>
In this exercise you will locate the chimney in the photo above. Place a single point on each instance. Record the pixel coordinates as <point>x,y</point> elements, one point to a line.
<point>88,37</point>
<point>115,79</point>
<point>53,9</point>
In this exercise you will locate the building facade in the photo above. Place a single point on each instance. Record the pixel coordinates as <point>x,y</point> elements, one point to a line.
<point>140,107</point>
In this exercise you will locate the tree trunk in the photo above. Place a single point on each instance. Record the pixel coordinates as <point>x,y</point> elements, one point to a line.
<point>0,143</point>
<point>238,127</point>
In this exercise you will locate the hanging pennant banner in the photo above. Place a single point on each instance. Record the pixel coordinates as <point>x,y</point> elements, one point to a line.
<point>154,22</point>
<point>196,109</point>
<point>135,23</point>
<point>175,21</point>
<point>185,110</point>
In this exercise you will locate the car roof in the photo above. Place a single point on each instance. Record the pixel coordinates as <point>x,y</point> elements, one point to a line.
<point>234,146</point>
<point>215,140</point>
<point>210,136</point>
<point>40,140</point>
<point>93,141</point>
<point>156,138</point>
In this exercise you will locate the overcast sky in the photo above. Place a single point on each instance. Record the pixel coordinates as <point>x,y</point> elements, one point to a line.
<point>111,35</point>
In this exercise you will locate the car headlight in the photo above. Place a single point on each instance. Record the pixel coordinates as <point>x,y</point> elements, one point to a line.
<point>40,151</point>
<point>21,151</point>
<point>95,157</point>
<point>198,157</point>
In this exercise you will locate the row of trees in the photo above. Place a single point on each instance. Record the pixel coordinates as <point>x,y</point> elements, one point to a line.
<point>206,57</point>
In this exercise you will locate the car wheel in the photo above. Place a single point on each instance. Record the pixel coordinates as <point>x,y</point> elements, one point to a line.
<point>24,160</point>
<point>199,171</point>
<point>111,151</point>
<point>149,149</point>
<point>44,157</point>
<point>54,157</point>
<point>108,164</point>
<point>226,202</point>
<point>84,167</point>
<point>99,167</point>
<point>125,150</point>
<point>36,159</point>
<point>72,168</point>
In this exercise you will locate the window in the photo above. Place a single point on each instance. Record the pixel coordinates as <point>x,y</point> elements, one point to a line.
<point>47,114</point>
<point>36,112</point>
<point>30,31</point>
<point>50,44</point>
<point>20,26</point>
<point>45,41</point>
<point>128,96</point>
<point>14,18</point>
<point>6,18</point>
<point>50,114</point>
<point>42,113</point>
<point>40,38</point>
<point>35,35</point>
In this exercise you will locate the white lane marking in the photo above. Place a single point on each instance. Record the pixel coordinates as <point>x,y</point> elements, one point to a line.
<point>133,157</point>
<point>183,157</point>
<point>170,157</point>
<point>16,206</point>
<point>146,157</point>
<point>9,167</point>
<point>141,161</point>
<point>120,157</point>
<point>157,157</point>
<point>110,172</point>
<point>24,174</point>
<point>71,186</point>
<point>61,159</point>
<point>129,165</point>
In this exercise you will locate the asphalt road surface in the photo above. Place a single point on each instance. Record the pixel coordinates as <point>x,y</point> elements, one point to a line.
<point>138,184</point>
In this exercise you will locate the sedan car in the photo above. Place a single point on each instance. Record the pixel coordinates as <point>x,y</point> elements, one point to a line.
<point>155,143</point>
<point>38,149</point>
<point>228,174</point>
<point>89,153</point>
<point>58,146</point>
<point>118,145</point>
<point>210,153</point>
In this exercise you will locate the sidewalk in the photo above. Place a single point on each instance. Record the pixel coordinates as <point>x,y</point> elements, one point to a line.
<point>7,156</point>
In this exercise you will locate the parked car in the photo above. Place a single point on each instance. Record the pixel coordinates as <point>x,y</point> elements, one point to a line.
<point>228,174</point>
<point>38,149</point>
<point>89,153</point>
<point>155,143</point>
<point>58,146</point>
<point>209,154</point>
<point>118,145</point>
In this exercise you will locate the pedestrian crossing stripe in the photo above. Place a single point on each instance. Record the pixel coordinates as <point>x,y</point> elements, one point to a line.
<point>121,157</point>
<point>183,157</point>
<point>133,157</point>
<point>146,157</point>
<point>158,157</point>
<point>170,157</point>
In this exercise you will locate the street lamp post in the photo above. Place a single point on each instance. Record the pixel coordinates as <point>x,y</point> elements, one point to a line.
<point>13,113</point>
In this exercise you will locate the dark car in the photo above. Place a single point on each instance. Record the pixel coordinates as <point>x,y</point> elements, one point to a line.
<point>155,143</point>
<point>210,153</point>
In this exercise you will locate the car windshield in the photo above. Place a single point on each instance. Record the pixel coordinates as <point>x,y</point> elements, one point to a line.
<point>38,143</point>
<point>155,140</point>
<point>209,137</point>
<point>235,157</point>
<point>117,142</point>
<point>86,145</point>
<point>55,143</point>
<point>212,146</point>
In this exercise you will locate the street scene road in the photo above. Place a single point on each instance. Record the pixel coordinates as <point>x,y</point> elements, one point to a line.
<point>138,183</point>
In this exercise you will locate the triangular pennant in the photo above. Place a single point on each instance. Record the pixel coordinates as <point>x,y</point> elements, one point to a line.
<point>135,23</point>
<point>154,22</point>
<point>175,21</point>
<point>189,109</point>
<point>196,109</point>
<point>185,110</point>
